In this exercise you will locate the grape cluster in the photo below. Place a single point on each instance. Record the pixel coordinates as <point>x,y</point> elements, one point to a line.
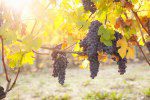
<point>89,6</point>
<point>113,50</point>
<point>122,65</point>
<point>90,47</point>
<point>2,93</point>
<point>60,64</point>
<point>121,61</point>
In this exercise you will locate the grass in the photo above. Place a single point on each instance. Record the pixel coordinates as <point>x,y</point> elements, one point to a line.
<point>79,86</point>
<point>55,97</point>
<point>103,96</point>
<point>147,92</point>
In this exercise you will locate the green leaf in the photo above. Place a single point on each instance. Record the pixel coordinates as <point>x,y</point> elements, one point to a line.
<point>8,34</point>
<point>101,30</point>
<point>106,35</point>
<point>106,42</point>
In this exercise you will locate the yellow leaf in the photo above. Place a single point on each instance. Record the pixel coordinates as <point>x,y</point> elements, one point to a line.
<point>85,64</point>
<point>122,43</point>
<point>131,52</point>
<point>122,52</point>
<point>124,47</point>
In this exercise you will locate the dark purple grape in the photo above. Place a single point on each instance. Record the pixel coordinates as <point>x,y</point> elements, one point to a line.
<point>91,45</point>
<point>122,65</point>
<point>2,93</point>
<point>89,6</point>
<point>59,65</point>
<point>148,45</point>
<point>1,88</point>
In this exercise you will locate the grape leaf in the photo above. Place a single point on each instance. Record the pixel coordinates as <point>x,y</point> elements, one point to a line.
<point>124,47</point>
<point>18,59</point>
<point>106,35</point>
<point>32,43</point>
<point>122,43</point>
<point>131,53</point>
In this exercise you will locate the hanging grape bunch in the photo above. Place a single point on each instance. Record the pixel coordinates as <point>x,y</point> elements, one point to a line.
<point>89,6</point>
<point>2,93</point>
<point>121,61</point>
<point>59,65</point>
<point>113,50</point>
<point>90,47</point>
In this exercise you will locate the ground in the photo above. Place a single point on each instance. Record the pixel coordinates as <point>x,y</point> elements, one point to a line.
<point>42,86</point>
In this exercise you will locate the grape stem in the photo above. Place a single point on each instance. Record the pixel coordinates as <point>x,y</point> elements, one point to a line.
<point>13,84</point>
<point>40,53</point>
<point>142,52</point>
<point>5,70</point>
<point>9,88</point>
<point>75,52</point>
<point>138,20</point>
<point>34,26</point>
<point>3,60</point>
<point>70,46</point>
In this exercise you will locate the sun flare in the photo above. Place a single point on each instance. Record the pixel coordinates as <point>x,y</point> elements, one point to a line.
<point>17,4</point>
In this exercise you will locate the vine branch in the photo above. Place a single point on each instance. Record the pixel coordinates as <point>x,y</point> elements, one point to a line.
<point>138,20</point>
<point>3,60</point>
<point>75,52</point>
<point>40,53</point>
<point>142,52</point>
<point>13,84</point>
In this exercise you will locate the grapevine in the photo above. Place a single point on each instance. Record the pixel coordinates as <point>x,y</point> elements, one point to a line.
<point>114,28</point>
